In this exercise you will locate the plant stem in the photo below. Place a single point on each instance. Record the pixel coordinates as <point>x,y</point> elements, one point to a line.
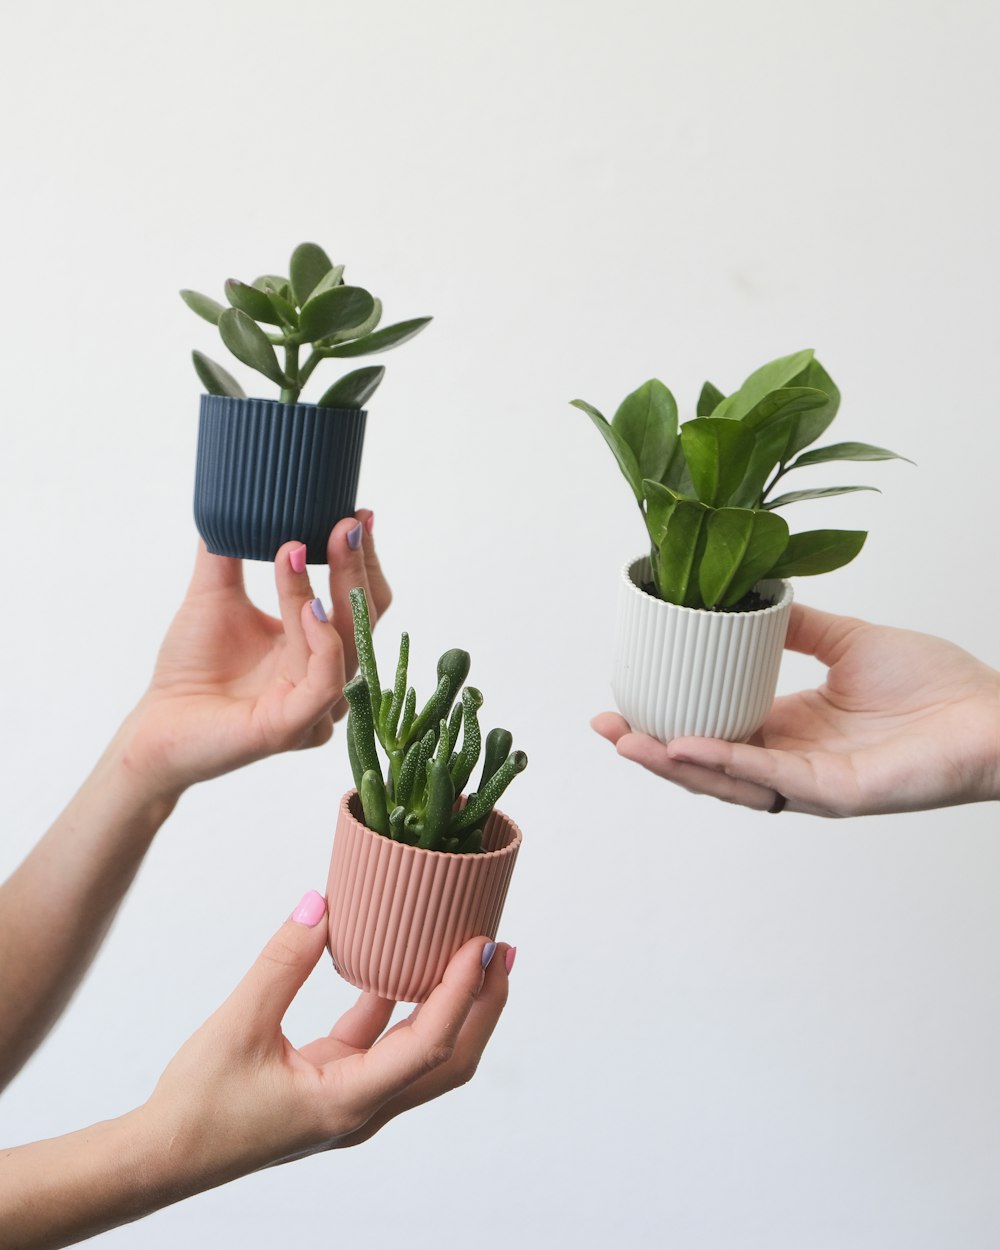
<point>312,361</point>
<point>289,394</point>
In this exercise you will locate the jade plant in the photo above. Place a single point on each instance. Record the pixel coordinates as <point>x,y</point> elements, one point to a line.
<point>706,488</point>
<point>428,768</point>
<point>309,316</point>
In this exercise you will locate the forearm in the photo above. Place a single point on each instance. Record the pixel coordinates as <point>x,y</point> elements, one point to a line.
<point>56,908</point>
<point>64,1190</point>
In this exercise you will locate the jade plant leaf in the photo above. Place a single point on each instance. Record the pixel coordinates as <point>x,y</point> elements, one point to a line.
<point>621,451</point>
<point>273,282</point>
<point>333,310</point>
<point>307,268</point>
<point>381,340</point>
<point>769,377</point>
<point>709,400</point>
<point>356,332</point>
<point>822,492</point>
<point>288,314</point>
<point>846,451</point>
<point>354,389</point>
<point>248,343</point>
<point>330,279</point>
<point>203,305</point>
<point>647,420</point>
<point>253,302</point>
<point>215,379</point>
<point>717,452</point>
<point>819,551</point>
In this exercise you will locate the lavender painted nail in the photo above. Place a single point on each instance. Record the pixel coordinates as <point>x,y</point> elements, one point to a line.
<point>489,950</point>
<point>319,611</point>
<point>354,536</point>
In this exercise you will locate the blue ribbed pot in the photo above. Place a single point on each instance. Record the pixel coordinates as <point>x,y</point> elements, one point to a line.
<point>269,472</point>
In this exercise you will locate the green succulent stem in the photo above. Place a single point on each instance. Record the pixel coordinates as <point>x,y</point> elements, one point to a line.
<point>291,392</point>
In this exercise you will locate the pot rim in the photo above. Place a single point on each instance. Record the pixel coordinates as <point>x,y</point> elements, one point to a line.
<point>277,403</point>
<point>482,857</point>
<point>782,604</point>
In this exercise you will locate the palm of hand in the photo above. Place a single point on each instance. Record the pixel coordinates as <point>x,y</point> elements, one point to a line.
<point>904,721</point>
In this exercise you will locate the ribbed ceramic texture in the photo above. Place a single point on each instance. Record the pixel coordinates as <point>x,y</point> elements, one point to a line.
<point>686,671</point>
<point>269,472</point>
<point>399,913</point>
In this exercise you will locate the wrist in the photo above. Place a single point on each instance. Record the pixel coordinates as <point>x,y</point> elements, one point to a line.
<point>137,773</point>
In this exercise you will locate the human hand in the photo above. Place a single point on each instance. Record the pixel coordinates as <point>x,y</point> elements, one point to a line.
<point>233,684</point>
<point>238,1096</point>
<point>904,722</point>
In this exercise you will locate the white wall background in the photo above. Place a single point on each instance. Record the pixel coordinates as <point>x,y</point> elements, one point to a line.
<point>725,1030</point>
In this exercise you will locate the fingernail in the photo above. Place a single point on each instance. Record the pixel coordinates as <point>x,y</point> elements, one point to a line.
<point>311,910</point>
<point>489,950</point>
<point>370,522</point>
<point>297,559</point>
<point>508,959</point>
<point>354,537</point>
<point>319,611</point>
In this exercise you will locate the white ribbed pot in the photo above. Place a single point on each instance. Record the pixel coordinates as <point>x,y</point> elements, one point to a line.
<point>398,913</point>
<point>682,672</point>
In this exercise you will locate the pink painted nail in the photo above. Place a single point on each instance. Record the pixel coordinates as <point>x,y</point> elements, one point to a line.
<point>508,959</point>
<point>297,559</point>
<point>370,522</point>
<point>311,910</point>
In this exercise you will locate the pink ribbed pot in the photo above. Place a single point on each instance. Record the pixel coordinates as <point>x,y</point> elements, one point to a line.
<point>398,913</point>
<point>682,672</point>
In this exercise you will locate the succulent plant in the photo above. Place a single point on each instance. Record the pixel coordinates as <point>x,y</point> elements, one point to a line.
<point>705,489</point>
<point>310,308</point>
<point>416,801</point>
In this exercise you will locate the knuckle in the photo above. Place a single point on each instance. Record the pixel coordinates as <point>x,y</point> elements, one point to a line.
<point>281,953</point>
<point>437,1054</point>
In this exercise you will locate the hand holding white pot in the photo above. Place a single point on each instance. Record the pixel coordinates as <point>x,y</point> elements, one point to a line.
<point>903,722</point>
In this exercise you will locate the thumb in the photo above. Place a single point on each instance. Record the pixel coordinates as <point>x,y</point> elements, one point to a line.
<point>281,969</point>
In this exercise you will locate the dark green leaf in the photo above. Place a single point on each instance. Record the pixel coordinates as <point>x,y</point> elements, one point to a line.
<point>773,421</point>
<point>811,425</point>
<point>769,377</point>
<point>381,340</point>
<point>846,451</point>
<point>680,551</point>
<point>622,452</point>
<point>717,452</point>
<point>248,343</point>
<point>253,302</point>
<point>660,504</point>
<point>205,307</point>
<point>709,400</point>
<point>727,534</point>
<point>308,266</point>
<point>354,389</point>
<point>677,475</point>
<point>794,496</point>
<point>768,541</point>
<point>215,379</point>
<point>647,421</point>
<point>333,310</point>
<point>818,551</point>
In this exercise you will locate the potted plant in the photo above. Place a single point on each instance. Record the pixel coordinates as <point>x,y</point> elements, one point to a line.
<point>270,470</point>
<point>702,618</point>
<point>418,867</point>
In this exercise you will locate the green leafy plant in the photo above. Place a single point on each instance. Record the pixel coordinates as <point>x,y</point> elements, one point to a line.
<point>310,309</point>
<point>415,802</point>
<point>706,488</point>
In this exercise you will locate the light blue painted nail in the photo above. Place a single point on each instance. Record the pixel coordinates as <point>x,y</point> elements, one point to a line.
<point>354,536</point>
<point>489,950</point>
<point>319,611</point>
